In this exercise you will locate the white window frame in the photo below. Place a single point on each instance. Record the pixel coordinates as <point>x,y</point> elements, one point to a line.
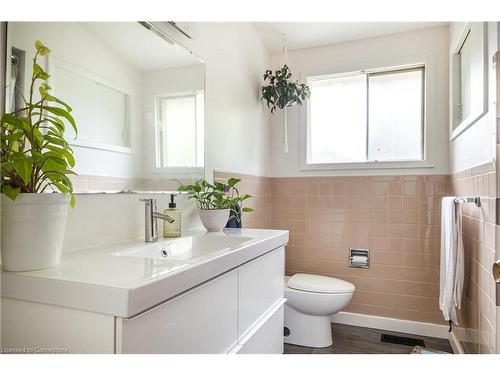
<point>456,127</point>
<point>406,164</point>
<point>182,171</point>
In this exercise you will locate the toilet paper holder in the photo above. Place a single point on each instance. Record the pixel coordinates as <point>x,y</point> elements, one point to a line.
<point>359,258</point>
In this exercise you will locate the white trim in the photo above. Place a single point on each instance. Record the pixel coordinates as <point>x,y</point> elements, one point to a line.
<point>118,335</point>
<point>101,146</point>
<point>455,343</point>
<point>391,324</point>
<point>56,62</point>
<point>410,164</point>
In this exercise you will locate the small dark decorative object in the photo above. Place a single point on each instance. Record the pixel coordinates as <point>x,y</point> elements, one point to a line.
<point>235,218</point>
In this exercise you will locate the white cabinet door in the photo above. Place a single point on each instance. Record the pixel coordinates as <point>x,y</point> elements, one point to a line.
<point>260,287</point>
<point>202,320</point>
<point>41,328</point>
<point>267,338</point>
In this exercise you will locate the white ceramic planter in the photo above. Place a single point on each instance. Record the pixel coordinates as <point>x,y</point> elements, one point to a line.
<point>33,231</point>
<point>214,220</point>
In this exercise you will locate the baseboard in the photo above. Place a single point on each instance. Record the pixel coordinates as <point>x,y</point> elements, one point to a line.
<point>455,343</point>
<point>392,324</point>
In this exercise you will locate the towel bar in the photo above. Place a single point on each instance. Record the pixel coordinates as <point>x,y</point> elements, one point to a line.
<point>475,200</point>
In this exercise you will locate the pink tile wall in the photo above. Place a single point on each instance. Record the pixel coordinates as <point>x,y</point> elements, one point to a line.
<point>396,217</point>
<point>478,313</point>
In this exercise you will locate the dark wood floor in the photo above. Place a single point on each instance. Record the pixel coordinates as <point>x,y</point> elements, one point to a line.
<point>360,340</point>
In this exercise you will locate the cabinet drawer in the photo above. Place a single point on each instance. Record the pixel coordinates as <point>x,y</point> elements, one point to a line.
<point>268,338</point>
<point>260,286</point>
<point>202,320</point>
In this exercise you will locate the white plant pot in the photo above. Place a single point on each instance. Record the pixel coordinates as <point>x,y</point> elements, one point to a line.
<point>214,220</point>
<point>33,230</point>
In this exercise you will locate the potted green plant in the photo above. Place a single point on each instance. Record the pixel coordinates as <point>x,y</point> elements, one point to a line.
<point>217,201</point>
<point>279,91</point>
<point>35,159</point>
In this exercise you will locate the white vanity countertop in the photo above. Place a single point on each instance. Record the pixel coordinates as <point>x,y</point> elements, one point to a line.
<point>126,279</point>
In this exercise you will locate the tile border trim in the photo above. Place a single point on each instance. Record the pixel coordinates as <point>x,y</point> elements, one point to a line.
<point>391,324</point>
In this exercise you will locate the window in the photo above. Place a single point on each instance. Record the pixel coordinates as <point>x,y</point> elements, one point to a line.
<point>179,131</point>
<point>372,116</point>
<point>469,81</point>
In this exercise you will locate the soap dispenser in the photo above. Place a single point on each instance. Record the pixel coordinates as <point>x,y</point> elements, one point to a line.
<point>172,229</point>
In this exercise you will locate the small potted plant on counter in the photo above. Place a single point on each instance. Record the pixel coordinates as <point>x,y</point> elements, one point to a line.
<point>35,160</point>
<point>217,202</point>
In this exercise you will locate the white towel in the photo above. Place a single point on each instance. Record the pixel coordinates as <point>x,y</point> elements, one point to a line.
<point>452,260</point>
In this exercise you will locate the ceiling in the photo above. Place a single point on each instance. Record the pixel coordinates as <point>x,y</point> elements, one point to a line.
<point>141,47</point>
<point>313,34</point>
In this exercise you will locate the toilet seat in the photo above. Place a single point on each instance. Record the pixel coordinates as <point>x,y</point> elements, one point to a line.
<point>318,284</point>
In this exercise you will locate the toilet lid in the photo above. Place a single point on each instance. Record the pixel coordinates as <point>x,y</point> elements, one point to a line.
<point>319,284</point>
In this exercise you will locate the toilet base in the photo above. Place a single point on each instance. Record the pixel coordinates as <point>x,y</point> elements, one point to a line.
<point>307,330</point>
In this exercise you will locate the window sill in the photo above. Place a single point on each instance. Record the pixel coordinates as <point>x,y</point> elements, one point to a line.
<point>182,171</point>
<point>367,165</point>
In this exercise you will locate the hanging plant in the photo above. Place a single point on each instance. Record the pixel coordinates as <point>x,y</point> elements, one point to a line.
<point>280,92</point>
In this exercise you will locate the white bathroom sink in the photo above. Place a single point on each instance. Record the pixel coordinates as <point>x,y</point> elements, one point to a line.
<point>125,279</point>
<point>188,248</point>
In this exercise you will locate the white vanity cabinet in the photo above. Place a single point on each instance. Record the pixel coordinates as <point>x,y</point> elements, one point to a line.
<point>202,320</point>
<point>238,311</point>
<point>260,286</point>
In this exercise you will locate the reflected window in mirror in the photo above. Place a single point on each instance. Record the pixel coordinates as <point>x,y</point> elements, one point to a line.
<point>179,130</point>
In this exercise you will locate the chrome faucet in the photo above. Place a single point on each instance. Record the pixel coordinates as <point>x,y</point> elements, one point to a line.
<point>151,223</point>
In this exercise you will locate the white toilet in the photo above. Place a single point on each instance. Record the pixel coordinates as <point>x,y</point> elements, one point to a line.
<point>311,299</point>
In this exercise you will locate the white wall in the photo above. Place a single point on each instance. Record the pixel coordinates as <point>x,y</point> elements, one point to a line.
<point>429,46</point>
<point>477,144</point>
<point>101,219</point>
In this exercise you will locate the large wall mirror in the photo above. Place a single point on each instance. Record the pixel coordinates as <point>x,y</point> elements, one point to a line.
<point>469,78</point>
<point>137,96</point>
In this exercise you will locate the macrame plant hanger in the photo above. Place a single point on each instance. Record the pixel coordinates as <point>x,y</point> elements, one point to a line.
<point>285,124</point>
